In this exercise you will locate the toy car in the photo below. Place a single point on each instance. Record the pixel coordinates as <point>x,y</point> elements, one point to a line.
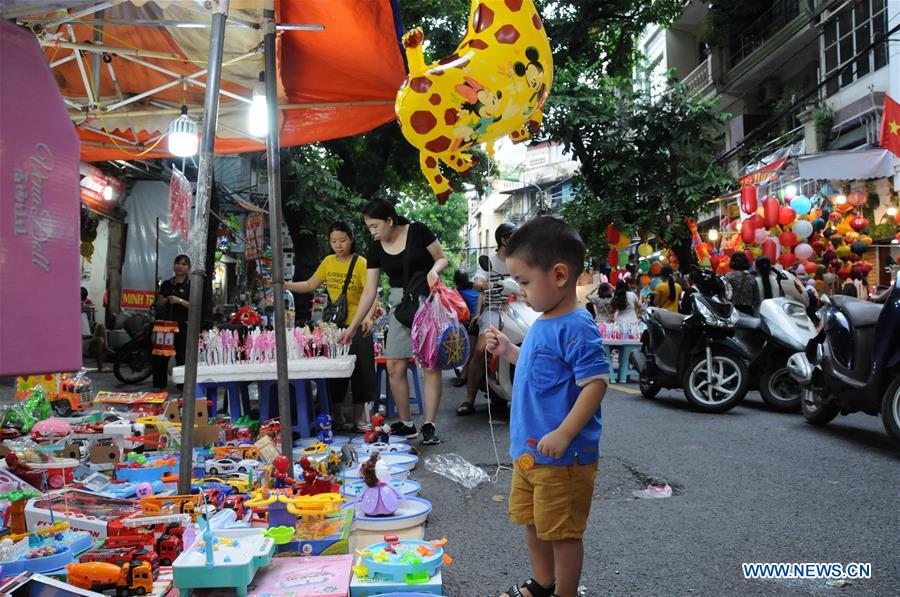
<point>50,429</point>
<point>236,503</point>
<point>230,465</point>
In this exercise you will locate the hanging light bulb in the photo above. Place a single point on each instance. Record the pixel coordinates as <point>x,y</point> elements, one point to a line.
<point>183,138</point>
<point>713,235</point>
<point>891,211</point>
<point>108,192</point>
<point>258,121</point>
<point>790,191</point>
<point>841,199</point>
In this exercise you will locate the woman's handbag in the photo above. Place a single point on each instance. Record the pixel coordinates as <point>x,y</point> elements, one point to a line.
<point>336,312</point>
<point>413,288</point>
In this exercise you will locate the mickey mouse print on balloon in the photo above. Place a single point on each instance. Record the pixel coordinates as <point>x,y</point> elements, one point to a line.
<point>494,85</point>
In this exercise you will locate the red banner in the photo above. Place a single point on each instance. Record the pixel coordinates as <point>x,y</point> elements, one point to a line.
<point>255,235</point>
<point>137,299</point>
<point>764,174</point>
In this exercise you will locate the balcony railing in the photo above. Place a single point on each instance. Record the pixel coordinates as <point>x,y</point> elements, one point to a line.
<point>699,79</point>
<point>759,31</point>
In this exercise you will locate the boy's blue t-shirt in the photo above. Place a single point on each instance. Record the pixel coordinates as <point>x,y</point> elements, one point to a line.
<point>558,357</point>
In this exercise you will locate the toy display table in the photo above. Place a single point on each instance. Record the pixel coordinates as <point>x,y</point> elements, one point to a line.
<point>238,555</point>
<point>625,348</point>
<point>300,372</point>
<point>413,511</point>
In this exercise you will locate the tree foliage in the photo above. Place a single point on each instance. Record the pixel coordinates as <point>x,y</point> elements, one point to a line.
<point>647,162</point>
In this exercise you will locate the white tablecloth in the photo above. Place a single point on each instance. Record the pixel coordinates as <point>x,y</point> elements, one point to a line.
<point>313,368</point>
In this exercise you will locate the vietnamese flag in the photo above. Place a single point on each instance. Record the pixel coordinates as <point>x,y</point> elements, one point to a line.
<point>890,126</point>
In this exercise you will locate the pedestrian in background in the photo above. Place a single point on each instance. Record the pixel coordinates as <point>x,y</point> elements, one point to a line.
<point>744,293</point>
<point>173,304</point>
<point>412,257</point>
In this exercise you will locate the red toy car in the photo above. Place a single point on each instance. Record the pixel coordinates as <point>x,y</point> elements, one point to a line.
<point>272,428</point>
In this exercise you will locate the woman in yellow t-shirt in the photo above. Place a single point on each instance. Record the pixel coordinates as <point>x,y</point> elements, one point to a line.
<point>668,292</point>
<point>332,272</point>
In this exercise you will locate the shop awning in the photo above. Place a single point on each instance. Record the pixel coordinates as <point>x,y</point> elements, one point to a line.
<point>847,165</point>
<point>337,82</point>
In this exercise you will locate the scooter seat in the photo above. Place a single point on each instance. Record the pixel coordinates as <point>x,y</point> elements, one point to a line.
<point>860,313</point>
<point>669,320</point>
<point>746,322</point>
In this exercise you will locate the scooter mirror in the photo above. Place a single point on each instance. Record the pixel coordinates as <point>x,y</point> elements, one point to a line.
<point>485,263</point>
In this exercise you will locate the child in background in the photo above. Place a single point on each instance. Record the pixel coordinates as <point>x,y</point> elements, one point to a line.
<point>556,405</point>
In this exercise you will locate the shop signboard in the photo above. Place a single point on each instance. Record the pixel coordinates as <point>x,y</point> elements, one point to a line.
<point>39,232</point>
<point>254,234</point>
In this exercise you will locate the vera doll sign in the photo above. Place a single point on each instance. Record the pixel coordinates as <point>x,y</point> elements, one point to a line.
<point>39,231</point>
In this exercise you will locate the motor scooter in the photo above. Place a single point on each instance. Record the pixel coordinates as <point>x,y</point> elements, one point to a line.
<point>782,329</point>
<point>696,352</point>
<point>515,318</point>
<point>133,362</point>
<point>853,364</point>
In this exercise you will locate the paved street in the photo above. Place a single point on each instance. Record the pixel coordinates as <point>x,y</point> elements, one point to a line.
<point>750,486</point>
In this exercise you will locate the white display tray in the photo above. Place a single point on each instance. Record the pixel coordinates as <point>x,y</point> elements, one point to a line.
<point>311,368</point>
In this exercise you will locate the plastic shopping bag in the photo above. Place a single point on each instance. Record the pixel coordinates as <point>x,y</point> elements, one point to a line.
<point>439,341</point>
<point>452,301</point>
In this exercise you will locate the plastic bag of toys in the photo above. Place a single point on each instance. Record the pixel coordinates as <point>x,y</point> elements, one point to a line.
<point>439,340</point>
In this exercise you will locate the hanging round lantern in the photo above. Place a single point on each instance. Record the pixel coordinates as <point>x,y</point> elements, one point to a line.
<point>865,238</point>
<point>623,259</point>
<point>748,233</point>
<point>851,237</point>
<point>770,250</point>
<point>857,198</point>
<point>612,235</point>
<point>644,266</point>
<point>787,259</point>
<point>644,250</point>
<point>803,251</point>
<point>801,205</point>
<point>655,268</point>
<point>749,203</point>
<point>787,238</point>
<point>802,229</point>
<point>829,256</point>
<point>836,217</point>
<point>859,223</point>
<point>613,258</point>
<point>786,215</point>
<point>818,224</point>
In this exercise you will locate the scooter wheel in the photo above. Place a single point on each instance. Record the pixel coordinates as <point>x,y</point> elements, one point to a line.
<point>728,386</point>
<point>890,411</point>
<point>779,390</point>
<point>814,412</point>
<point>649,386</point>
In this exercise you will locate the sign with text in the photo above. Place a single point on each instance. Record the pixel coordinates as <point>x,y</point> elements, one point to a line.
<point>137,299</point>
<point>254,233</point>
<point>39,227</point>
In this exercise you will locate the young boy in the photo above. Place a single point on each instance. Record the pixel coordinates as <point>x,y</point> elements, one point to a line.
<point>555,413</point>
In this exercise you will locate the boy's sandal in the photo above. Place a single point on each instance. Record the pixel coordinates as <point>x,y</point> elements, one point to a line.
<point>534,589</point>
<point>465,409</point>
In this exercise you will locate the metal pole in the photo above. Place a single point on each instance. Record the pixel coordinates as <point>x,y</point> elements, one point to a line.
<point>273,160</point>
<point>199,228</point>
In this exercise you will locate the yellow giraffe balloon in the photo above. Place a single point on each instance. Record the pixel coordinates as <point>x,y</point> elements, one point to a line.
<point>494,85</point>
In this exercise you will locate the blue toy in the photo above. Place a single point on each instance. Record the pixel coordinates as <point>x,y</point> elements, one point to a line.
<point>325,435</point>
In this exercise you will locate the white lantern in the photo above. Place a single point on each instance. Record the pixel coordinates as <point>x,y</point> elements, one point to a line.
<point>183,138</point>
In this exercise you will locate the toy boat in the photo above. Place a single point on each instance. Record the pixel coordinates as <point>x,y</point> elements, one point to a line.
<point>412,511</point>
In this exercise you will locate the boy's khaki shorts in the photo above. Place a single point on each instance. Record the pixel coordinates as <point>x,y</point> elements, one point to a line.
<point>555,499</point>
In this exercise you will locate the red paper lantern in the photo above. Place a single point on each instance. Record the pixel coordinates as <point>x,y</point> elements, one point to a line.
<point>857,198</point>
<point>836,217</point>
<point>787,259</point>
<point>612,234</point>
<point>818,246</point>
<point>749,255</point>
<point>757,221</point>
<point>859,223</point>
<point>771,210</point>
<point>655,268</point>
<point>748,233</point>
<point>786,215</point>
<point>614,277</point>
<point>613,258</point>
<point>787,239</point>
<point>749,203</point>
<point>770,250</point>
<point>715,259</point>
<point>897,216</point>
